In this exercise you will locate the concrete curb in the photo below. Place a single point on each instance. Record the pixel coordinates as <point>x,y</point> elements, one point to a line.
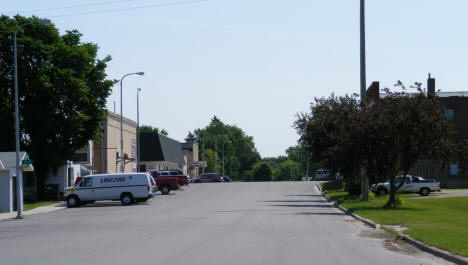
<point>457,259</point>
<point>38,210</point>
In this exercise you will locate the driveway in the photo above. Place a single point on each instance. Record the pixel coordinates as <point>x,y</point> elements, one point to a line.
<point>207,224</point>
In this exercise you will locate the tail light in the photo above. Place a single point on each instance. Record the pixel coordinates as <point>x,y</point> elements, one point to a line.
<point>149,188</point>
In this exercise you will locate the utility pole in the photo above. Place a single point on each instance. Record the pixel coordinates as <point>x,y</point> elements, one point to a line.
<point>364,180</point>
<point>215,154</point>
<point>203,154</point>
<point>138,130</point>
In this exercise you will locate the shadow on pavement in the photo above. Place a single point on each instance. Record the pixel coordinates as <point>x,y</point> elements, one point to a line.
<point>303,205</point>
<point>109,204</point>
<point>304,195</point>
<point>314,213</point>
<point>289,201</point>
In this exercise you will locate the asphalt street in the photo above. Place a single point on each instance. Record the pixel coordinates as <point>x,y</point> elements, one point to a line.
<point>222,223</point>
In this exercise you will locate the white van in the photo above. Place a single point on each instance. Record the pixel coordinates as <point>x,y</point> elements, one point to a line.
<point>126,187</point>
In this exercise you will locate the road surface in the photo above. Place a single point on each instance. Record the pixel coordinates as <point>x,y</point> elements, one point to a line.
<point>205,224</point>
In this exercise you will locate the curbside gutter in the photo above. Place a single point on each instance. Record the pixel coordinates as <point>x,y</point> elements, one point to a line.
<point>457,259</point>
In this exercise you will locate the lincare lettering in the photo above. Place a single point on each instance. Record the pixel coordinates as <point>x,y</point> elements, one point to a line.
<point>113,180</point>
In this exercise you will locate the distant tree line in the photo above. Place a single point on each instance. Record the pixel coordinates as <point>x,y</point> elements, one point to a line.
<point>241,158</point>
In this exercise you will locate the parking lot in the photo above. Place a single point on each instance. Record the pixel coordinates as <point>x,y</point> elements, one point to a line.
<point>218,223</point>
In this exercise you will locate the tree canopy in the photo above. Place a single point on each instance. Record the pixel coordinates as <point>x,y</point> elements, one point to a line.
<point>387,135</point>
<point>62,92</point>
<point>149,128</point>
<point>240,153</point>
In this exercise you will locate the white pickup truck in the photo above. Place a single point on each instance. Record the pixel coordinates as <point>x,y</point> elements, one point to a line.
<point>412,185</point>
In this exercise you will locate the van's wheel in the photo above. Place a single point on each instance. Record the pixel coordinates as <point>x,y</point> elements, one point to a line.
<point>73,201</point>
<point>165,189</point>
<point>381,191</point>
<point>126,199</point>
<point>424,192</point>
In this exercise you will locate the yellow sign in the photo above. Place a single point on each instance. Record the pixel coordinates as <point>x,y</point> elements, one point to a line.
<point>72,190</point>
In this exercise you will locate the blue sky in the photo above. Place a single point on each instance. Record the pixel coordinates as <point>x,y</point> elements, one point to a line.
<point>257,63</point>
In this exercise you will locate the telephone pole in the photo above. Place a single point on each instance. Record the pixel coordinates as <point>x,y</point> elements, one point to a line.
<point>364,180</point>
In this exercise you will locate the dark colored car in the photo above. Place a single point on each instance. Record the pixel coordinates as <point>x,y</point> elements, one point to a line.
<point>209,177</point>
<point>226,179</point>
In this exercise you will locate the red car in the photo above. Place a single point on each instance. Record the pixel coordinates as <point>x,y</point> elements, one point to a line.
<point>183,180</point>
<point>164,182</point>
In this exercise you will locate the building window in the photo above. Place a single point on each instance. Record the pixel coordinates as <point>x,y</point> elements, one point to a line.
<point>448,113</point>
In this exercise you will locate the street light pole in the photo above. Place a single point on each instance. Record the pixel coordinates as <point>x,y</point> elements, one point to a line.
<point>203,168</point>
<point>122,162</point>
<point>224,138</point>
<point>364,180</point>
<point>19,175</point>
<point>138,130</point>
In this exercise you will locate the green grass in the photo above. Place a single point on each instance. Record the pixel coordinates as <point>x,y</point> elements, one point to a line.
<point>439,222</point>
<point>30,206</point>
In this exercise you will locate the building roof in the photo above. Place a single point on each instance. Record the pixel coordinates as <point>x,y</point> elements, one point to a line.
<point>187,146</point>
<point>9,158</point>
<point>157,147</point>
<point>114,116</point>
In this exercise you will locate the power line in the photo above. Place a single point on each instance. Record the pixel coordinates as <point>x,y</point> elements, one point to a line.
<point>68,7</point>
<point>130,8</point>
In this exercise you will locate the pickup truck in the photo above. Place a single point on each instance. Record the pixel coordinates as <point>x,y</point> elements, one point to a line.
<point>412,184</point>
<point>183,179</point>
<point>164,183</point>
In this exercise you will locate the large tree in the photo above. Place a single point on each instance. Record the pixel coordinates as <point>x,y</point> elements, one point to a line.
<point>62,92</point>
<point>240,153</point>
<point>388,134</point>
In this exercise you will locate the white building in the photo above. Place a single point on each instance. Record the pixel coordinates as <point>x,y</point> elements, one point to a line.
<point>8,178</point>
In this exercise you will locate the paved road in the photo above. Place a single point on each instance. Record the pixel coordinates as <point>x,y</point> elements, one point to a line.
<point>226,223</point>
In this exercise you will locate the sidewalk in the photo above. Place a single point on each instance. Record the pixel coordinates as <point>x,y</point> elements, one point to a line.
<point>42,209</point>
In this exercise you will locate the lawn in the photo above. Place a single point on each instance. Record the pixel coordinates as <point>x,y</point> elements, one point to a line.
<point>439,222</point>
<point>30,206</point>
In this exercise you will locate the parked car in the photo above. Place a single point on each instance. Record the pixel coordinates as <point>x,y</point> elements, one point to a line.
<point>226,179</point>
<point>183,180</point>
<point>153,184</point>
<point>412,184</point>
<point>126,187</point>
<point>322,174</point>
<point>164,182</point>
<point>209,177</point>
<point>78,179</point>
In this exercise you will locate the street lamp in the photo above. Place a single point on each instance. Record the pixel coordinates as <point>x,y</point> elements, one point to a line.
<point>122,162</point>
<point>19,176</point>
<point>138,130</point>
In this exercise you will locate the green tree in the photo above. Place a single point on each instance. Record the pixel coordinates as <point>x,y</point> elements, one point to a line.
<point>62,91</point>
<point>149,128</point>
<point>333,133</point>
<point>288,171</point>
<point>387,135</point>
<point>240,153</point>
<point>262,172</point>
